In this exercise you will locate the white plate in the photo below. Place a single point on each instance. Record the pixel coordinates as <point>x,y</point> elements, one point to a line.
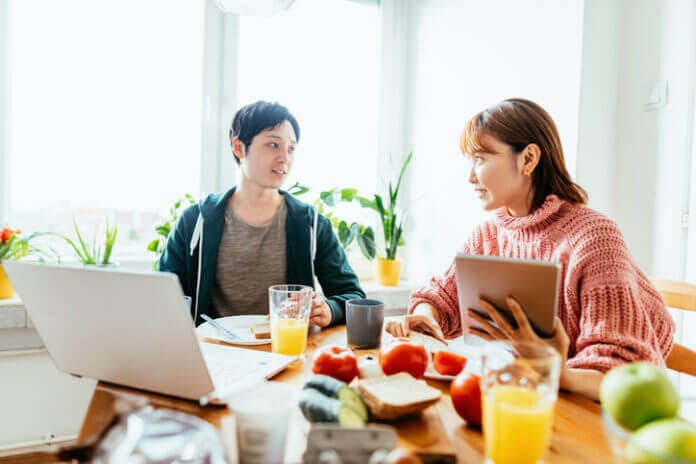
<point>238,325</point>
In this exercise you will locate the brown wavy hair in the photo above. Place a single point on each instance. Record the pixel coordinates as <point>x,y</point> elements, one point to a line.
<point>518,122</point>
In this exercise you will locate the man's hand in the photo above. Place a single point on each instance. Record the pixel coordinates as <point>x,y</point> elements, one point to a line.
<point>321,312</point>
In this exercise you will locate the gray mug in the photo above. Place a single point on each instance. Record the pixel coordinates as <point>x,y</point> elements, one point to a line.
<point>364,321</point>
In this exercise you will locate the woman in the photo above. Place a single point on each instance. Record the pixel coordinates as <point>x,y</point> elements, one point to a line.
<point>608,313</point>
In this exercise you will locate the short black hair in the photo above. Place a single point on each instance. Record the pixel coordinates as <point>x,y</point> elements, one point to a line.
<point>257,117</point>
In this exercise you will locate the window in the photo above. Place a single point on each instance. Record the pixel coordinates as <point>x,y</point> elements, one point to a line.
<point>321,60</point>
<point>106,113</point>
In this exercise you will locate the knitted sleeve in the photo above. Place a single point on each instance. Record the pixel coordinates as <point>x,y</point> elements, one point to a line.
<point>441,292</point>
<point>622,317</point>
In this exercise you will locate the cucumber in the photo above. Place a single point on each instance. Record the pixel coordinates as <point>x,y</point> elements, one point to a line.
<point>318,407</point>
<point>340,390</point>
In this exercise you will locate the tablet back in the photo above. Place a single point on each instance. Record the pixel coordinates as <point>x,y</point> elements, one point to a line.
<point>535,284</point>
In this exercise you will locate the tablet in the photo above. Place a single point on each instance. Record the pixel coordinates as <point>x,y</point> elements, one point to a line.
<point>535,284</point>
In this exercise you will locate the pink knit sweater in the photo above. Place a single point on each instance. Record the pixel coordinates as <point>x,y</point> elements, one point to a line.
<point>610,310</point>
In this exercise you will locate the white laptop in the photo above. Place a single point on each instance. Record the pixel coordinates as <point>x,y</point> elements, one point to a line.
<point>132,329</point>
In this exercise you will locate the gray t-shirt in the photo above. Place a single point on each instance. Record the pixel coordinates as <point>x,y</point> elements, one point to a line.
<point>250,260</point>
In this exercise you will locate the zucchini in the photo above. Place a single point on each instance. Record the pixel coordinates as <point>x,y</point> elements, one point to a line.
<point>334,388</point>
<point>317,407</point>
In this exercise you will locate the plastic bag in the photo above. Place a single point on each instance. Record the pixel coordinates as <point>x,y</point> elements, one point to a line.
<point>150,435</point>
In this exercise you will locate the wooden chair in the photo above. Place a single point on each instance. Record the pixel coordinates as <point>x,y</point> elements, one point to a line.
<point>679,295</point>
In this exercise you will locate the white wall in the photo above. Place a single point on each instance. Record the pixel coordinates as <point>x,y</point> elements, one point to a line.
<point>598,96</point>
<point>39,404</point>
<point>634,159</point>
<point>4,106</point>
<point>466,56</point>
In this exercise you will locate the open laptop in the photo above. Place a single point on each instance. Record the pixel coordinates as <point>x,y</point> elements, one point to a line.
<point>132,329</point>
<point>534,284</point>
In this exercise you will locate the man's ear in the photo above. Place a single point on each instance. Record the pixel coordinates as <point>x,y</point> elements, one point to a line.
<point>238,148</point>
<point>531,155</point>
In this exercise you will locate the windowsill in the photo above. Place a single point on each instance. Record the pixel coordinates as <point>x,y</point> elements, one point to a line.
<point>18,331</point>
<point>395,298</point>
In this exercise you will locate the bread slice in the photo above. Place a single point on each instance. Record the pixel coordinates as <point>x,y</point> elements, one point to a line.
<point>261,330</point>
<point>397,395</point>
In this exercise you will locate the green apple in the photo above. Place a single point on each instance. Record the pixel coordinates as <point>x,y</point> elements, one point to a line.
<point>664,441</point>
<point>637,393</point>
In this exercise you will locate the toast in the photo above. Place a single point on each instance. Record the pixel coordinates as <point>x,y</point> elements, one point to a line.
<point>261,330</point>
<point>397,395</point>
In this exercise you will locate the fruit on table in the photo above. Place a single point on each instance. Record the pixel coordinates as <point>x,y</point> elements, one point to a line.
<point>403,355</point>
<point>637,393</point>
<point>328,386</point>
<point>465,391</point>
<point>662,441</point>
<point>448,363</point>
<point>336,361</point>
<point>318,407</point>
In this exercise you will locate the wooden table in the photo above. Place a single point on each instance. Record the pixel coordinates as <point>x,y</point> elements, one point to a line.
<point>577,431</point>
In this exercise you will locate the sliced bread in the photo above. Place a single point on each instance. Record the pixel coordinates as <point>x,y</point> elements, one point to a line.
<point>261,330</point>
<point>396,395</point>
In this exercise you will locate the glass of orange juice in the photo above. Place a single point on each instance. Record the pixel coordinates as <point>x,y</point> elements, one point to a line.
<point>289,308</point>
<point>519,387</point>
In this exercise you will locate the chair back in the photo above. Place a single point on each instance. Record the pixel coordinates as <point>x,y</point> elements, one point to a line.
<point>679,295</point>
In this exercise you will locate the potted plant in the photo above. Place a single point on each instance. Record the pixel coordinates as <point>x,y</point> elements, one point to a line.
<point>163,228</point>
<point>94,253</point>
<point>391,219</point>
<point>13,246</point>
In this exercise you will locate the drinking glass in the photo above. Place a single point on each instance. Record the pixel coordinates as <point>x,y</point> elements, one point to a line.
<point>519,388</point>
<point>289,307</point>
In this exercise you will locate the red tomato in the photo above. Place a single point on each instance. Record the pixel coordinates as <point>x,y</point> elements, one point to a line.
<point>336,361</point>
<point>448,363</point>
<point>403,355</point>
<point>466,397</point>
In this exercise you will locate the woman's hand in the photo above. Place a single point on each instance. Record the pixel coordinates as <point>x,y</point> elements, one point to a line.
<point>426,324</point>
<point>321,312</point>
<point>524,331</point>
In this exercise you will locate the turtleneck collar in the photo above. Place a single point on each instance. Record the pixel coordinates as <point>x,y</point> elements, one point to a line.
<point>545,215</point>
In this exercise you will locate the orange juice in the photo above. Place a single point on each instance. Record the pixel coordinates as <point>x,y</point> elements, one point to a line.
<point>516,424</point>
<point>289,336</point>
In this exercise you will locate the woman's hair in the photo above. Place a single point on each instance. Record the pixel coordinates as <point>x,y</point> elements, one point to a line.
<point>518,122</point>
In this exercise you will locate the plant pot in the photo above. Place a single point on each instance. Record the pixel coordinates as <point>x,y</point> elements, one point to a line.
<point>6,289</point>
<point>388,271</point>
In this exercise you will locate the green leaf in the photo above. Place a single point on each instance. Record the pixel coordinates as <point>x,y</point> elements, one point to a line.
<point>366,242</point>
<point>343,233</point>
<point>152,246</point>
<point>407,161</point>
<point>367,203</point>
<point>348,194</point>
<point>298,189</point>
<point>328,197</point>
<point>164,229</point>
<point>109,242</point>
<point>87,257</point>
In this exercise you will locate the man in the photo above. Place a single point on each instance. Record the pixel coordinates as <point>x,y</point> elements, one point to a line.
<point>230,247</point>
